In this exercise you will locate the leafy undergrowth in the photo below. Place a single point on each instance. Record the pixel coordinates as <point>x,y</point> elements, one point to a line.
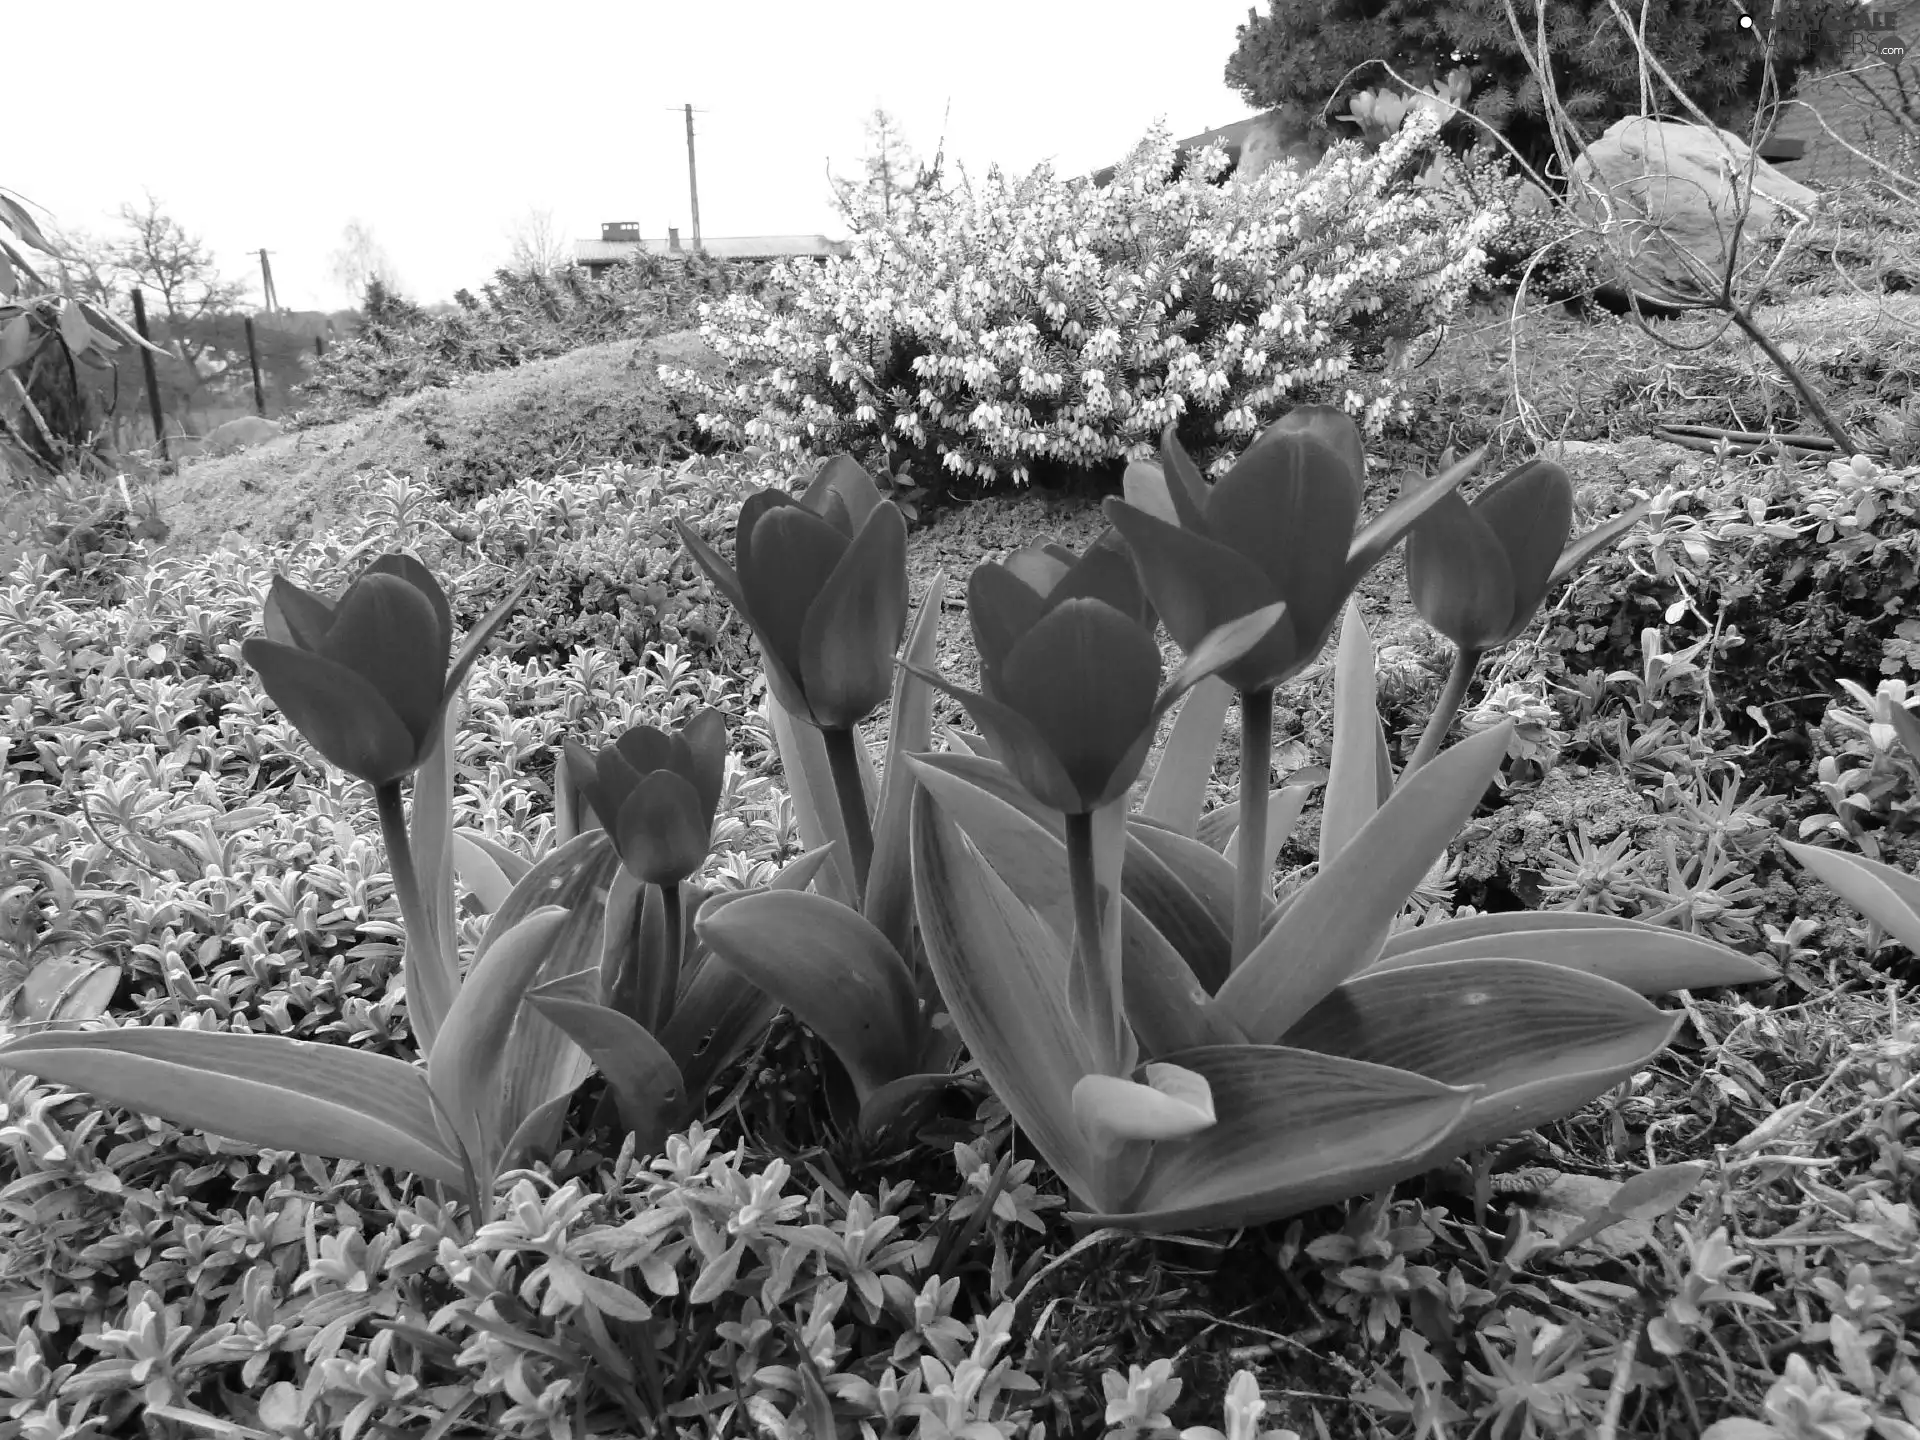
<point>1732,1237</point>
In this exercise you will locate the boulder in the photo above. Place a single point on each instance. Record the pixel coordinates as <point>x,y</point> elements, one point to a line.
<point>1673,190</point>
<point>240,434</point>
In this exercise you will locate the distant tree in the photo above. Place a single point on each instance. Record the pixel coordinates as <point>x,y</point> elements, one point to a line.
<point>1301,53</point>
<point>534,244</point>
<point>155,252</point>
<point>892,179</point>
<point>360,259</point>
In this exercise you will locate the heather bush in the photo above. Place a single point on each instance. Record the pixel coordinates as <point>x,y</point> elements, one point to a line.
<point>1037,320</point>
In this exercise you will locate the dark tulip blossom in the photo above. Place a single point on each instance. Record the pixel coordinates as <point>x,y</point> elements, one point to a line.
<point>366,678</point>
<point>822,582</point>
<point>656,794</point>
<point>1277,528</point>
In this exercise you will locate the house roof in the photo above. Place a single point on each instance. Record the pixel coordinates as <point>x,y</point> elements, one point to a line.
<point>1231,136</point>
<point>1860,103</point>
<point>720,247</point>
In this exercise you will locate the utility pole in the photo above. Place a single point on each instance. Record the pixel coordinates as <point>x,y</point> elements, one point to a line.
<point>693,177</point>
<point>266,283</point>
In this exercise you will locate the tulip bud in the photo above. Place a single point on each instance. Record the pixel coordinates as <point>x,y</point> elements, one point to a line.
<point>1478,572</point>
<point>822,582</point>
<point>656,794</point>
<point>1070,674</point>
<point>1275,529</point>
<point>365,679</point>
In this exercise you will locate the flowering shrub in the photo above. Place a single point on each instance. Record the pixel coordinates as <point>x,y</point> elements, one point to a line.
<point>1041,319</point>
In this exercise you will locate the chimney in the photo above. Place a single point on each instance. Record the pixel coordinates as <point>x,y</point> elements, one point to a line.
<point>673,237</point>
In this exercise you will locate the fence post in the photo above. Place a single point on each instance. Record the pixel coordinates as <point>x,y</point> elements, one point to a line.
<point>253,359</point>
<point>146,362</point>
<point>319,345</point>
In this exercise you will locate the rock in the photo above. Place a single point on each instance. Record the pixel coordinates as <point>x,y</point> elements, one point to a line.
<point>1672,190</point>
<point>241,434</point>
<point>1278,135</point>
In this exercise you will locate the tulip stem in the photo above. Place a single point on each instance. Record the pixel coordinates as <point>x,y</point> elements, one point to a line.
<point>670,911</point>
<point>1445,709</point>
<point>406,883</point>
<point>1256,772</point>
<point>843,758</point>
<point>1090,991</point>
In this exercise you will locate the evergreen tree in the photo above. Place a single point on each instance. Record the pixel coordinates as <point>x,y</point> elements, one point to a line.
<point>1299,53</point>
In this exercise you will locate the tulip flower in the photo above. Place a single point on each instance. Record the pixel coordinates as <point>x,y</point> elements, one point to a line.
<point>822,582</point>
<point>1478,572</point>
<point>656,794</point>
<point>364,679</point>
<point>1278,528</point>
<point>1275,529</point>
<point>1070,674</point>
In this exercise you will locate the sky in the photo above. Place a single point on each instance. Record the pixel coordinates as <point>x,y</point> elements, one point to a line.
<point>441,126</point>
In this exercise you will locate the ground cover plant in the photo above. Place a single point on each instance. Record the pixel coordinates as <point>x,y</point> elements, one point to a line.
<point>680,1208</point>
<point>217,937</point>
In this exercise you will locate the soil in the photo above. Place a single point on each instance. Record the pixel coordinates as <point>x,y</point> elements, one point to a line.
<point>291,487</point>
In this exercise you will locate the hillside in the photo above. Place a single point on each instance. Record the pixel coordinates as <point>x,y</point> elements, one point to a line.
<point>603,402</point>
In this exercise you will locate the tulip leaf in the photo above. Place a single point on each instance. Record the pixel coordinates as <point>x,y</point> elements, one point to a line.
<point>1336,925</point>
<point>480,873</point>
<point>1003,974</point>
<point>816,810</point>
<point>832,969</point>
<point>725,579</point>
<point>465,1066</point>
<point>1538,1040</point>
<point>889,901</point>
<point>1380,534</point>
<point>1178,791</point>
<point>1353,790</point>
<point>718,1015</point>
<point>265,1090</point>
<point>1647,958</point>
<point>482,632</point>
<point>337,710</point>
<point>1886,896</point>
<point>646,1084</point>
<point>844,648</point>
<point>1145,487</point>
<point>1172,1104</point>
<point>430,834</point>
<point>1164,998</point>
<point>488,868</point>
<point>1585,546</point>
<point>1284,804</point>
<point>576,877</point>
<point>1293,1130</point>
<point>1191,890</point>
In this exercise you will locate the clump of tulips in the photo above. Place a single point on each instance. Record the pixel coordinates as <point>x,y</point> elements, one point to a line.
<point>1182,1050</point>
